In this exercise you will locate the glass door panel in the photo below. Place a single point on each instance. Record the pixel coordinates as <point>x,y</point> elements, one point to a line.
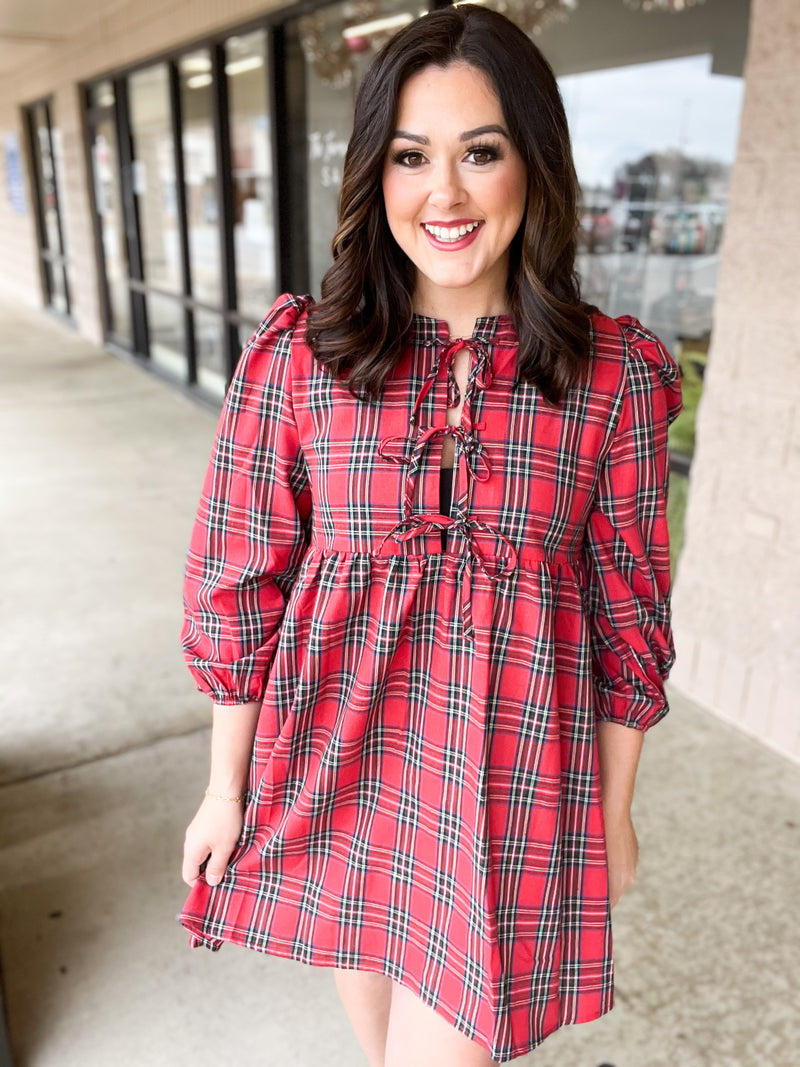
<point>209,350</point>
<point>108,204</point>
<point>45,145</point>
<point>200,172</point>
<point>49,191</point>
<point>166,334</point>
<point>251,172</point>
<point>153,177</point>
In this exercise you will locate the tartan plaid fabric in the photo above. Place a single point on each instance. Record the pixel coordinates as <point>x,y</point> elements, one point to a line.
<point>424,799</point>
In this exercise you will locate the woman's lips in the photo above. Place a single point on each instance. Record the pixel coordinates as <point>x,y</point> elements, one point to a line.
<point>449,245</point>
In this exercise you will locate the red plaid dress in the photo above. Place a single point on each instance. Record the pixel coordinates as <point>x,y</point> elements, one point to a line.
<point>424,799</point>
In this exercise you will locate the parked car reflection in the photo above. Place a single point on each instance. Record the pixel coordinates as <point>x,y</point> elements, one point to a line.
<point>597,230</point>
<point>687,230</point>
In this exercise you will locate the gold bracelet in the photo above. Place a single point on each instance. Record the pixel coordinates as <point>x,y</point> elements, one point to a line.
<point>216,796</point>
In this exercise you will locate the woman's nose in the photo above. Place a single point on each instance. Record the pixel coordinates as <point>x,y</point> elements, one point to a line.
<point>447,189</point>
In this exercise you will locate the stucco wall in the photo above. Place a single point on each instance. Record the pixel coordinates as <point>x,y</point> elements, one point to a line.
<point>737,595</point>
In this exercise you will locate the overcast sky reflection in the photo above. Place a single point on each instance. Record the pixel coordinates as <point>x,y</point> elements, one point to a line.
<point>620,115</point>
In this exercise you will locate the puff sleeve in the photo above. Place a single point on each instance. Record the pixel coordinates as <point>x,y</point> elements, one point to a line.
<point>625,557</point>
<point>253,521</point>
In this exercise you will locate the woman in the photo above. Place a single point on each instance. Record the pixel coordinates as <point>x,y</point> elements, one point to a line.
<point>427,782</point>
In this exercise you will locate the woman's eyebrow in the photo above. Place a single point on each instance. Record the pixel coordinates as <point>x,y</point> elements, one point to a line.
<point>481,130</point>
<point>417,138</point>
<point>406,136</point>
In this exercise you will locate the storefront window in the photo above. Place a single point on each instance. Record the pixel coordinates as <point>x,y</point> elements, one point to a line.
<point>58,291</point>
<point>251,172</point>
<point>200,171</point>
<point>45,148</point>
<point>50,198</point>
<point>338,44</point>
<point>209,349</point>
<point>654,146</point>
<point>108,206</point>
<point>153,177</point>
<point>166,334</point>
<point>654,132</point>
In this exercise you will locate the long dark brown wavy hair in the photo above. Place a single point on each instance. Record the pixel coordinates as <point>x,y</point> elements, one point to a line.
<point>359,327</point>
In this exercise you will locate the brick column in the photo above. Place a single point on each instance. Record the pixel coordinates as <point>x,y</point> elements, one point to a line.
<point>737,594</point>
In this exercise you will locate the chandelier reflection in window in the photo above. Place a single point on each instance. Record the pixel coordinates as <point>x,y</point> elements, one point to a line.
<point>532,16</point>
<point>332,43</point>
<point>332,39</point>
<point>662,5</point>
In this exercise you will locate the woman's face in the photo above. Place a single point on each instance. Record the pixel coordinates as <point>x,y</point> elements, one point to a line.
<point>454,184</point>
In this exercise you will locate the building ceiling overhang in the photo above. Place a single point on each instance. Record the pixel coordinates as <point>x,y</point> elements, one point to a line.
<point>30,28</point>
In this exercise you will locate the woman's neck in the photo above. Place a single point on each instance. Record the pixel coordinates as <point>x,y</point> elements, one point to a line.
<point>459,309</point>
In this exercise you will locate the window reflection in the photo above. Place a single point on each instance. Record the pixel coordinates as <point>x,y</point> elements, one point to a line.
<point>208,346</point>
<point>654,145</point>
<point>108,204</point>
<point>57,144</point>
<point>153,177</point>
<point>58,290</point>
<point>200,170</point>
<point>101,94</point>
<point>251,172</point>
<point>338,46</point>
<point>49,191</point>
<point>166,334</point>
<point>47,151</point>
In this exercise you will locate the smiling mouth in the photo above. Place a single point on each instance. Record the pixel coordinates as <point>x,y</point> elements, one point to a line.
<point>450,233</point>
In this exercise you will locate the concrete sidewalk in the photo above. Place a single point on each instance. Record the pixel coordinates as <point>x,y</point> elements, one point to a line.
<point>102,466</point>
<point>104,759</point>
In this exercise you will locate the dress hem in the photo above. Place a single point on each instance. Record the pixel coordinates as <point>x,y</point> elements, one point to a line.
<point>198,938</point>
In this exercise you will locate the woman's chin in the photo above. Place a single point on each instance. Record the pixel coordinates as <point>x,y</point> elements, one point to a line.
<point>452,279</point>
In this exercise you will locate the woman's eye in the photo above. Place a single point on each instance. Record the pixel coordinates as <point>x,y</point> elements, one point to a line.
<point>482,154</point>
<point>409,158</point>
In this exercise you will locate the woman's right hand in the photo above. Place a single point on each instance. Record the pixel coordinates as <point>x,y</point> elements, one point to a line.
<point>212,834</point>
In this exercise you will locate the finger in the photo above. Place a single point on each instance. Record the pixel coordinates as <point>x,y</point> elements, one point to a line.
<point>193,859</point>
<point>216,866</point>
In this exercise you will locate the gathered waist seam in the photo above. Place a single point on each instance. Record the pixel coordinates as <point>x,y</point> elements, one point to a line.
<point>527,558</point>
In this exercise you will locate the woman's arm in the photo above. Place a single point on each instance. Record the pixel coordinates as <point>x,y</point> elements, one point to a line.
<point>232,733</point>
<point>249,539</point>
<point>253,523</point>
<point>626,582</point>
<point>619,748</point>
<point>217,826</point>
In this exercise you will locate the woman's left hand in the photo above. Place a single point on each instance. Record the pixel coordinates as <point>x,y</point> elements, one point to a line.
<point>622,849</point>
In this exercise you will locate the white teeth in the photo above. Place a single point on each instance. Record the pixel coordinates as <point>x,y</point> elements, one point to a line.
<point>451,233</point>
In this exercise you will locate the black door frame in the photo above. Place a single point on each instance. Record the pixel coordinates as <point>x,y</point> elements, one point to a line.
<point>49,259</point>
